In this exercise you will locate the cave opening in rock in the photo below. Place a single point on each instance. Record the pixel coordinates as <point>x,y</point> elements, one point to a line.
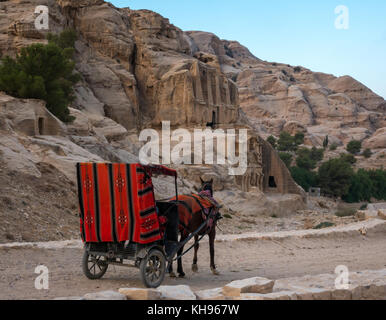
<point>214,121</point>
<point>272,182</point>
<point>40,126</point>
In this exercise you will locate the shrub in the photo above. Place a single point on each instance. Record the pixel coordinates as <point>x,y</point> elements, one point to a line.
<point>324,225</point>
<point>335,177</point>
<point>317,154</point>
<point>349,158</point>
<point>297,69</point>
<point>304,159</point>
<point>346,212</point>
<point>304,178</point>
<point>286,142</point>
<point>361,188</point>
<point>43,72</point>
<point>64,40</point>
<point>354,147</point>
<point>299,138</point>
<point>367,153</point>
<point>333,147</point>
<point>364,206</point>
<point>272,141</point>
<point>378,178</point>
<point>286,158</point>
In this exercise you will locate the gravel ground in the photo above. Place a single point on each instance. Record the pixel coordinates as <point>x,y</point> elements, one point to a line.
<point>236,260</point>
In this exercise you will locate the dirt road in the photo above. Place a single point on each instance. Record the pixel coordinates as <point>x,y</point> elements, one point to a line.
<point>236,260</point>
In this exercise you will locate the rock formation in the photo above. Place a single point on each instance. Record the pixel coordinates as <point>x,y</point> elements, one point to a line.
<point>138,70</point>
<point>277,97</point>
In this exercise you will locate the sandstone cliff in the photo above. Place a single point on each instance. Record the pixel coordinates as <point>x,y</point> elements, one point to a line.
<point>137,70</point>
<point>277,97</point>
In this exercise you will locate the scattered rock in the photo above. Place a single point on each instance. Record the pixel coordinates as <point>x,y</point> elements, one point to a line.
<point>252,285</point>
<point>211,294</point>
<point>176,293</point>
<point>105,295</point>
<point>140,294</point>
<point>382,214</point>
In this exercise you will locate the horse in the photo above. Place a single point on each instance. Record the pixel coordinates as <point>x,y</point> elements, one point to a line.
<point>193,211</point>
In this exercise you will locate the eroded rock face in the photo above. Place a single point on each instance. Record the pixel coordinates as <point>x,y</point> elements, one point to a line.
<point>277,97</point>
<point>142,69</point>
<point>29,117</point>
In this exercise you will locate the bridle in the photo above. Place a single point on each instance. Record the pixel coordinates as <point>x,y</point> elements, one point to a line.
<point>207,187</point>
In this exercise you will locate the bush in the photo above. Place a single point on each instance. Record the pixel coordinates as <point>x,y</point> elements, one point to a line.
<point>304,178</point>
<point>364,206</point>
<point>299,138</point>
<point>43,72</point>
<point>272,141</point>
<point>378,178</point>
<point>317,154</point>
<point>324,225</point>
<point>286,142</point>
<point>304,159</point>
<point>367,153</point>
<point>333,147</point>
<point>361,188</point>
<point>286,158</point>
<point>346,212</point>
<point>349,158</point>
<point>335,177</point>
<point>354,147</point>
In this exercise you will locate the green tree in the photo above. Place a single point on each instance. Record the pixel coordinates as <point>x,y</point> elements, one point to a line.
<point>354,147</point>
<point>349,158</point>
<point>326,142</point>
<point>64,40</point>
<point>361,188</point>
<point>317,154</point>
<point>299,138</point>
<point>272,141</point>
<point>378,178</point>
<point>286,142</point>
<point>304,178</point>
<point>304,159</point>
<point>335,177</point>
<point>286,158</point>
<point>43,72</point>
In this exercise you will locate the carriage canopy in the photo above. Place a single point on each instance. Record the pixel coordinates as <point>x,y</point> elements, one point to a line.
<point>117,202</point>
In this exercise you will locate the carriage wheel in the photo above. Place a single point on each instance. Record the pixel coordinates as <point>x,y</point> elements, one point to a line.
<point>94,267</point>
<point>153,269</point>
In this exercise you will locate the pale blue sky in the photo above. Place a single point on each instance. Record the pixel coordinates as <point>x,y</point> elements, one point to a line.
<point>297,32</point>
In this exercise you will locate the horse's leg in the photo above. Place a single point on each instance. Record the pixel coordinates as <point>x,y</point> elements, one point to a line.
<point>212,237</point>
<point>170,269</point>
<point>180,269</point>
<point>196,247</point>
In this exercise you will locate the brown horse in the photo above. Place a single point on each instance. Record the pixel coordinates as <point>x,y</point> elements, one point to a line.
<point>193,211</point>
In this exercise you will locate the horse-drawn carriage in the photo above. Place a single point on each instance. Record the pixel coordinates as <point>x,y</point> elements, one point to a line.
<point>120,220</point>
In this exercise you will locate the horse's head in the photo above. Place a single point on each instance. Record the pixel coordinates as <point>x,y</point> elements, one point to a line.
<point>207,186</point>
